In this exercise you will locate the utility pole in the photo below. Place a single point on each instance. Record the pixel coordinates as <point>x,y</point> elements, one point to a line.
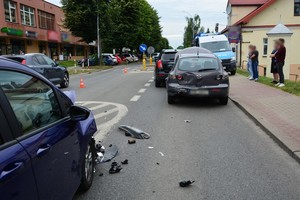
<point>98,34</point>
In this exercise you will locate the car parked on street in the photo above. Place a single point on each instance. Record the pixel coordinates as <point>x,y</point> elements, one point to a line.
<point>126,57</point>
<point>198,73</point>
<point>119,59</point>
<point>110,57</point>
<point>46,145</point>
<point>135,58</point>
<point>163,66</point>
<point>44,65</point>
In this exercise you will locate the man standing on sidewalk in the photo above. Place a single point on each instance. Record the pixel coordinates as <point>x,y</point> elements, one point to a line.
<point>280,60</point>
<point>254,58</point>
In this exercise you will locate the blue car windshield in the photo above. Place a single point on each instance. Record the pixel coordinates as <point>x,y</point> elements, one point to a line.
<point>219,46</point>
<point>196,64</point>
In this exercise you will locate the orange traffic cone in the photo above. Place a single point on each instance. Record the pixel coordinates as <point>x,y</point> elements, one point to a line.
<point>125,70</point>
<point>82,85</point>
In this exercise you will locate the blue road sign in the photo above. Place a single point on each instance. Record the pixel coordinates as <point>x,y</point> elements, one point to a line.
<point>143,48</point>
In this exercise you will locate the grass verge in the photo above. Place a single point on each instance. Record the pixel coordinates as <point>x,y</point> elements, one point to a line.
<point>291,87</point>
<point>68,63</point>
<point>90,70</point>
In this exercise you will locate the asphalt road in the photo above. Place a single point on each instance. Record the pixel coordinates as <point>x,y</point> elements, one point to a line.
<point>227,155</point>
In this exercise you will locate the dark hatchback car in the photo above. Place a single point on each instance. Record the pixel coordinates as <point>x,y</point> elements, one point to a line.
<point>197,73</point>
<point>44,65</point>
<point>163,66</point>
<point>46,145</point>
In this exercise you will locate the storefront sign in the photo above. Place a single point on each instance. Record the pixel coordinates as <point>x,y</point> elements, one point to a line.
<point>65,37</point>
<point>53,36</point>
<point>31,34</point>
<point>12,31</point>
<point>234,34</point>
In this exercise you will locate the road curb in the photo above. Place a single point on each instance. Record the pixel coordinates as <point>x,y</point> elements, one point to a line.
<point>269,133</point>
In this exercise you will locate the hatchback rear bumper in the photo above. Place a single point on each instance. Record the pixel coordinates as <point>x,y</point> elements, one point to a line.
<point>216,91</point>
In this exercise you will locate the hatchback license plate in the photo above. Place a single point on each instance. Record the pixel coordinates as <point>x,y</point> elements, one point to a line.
<point>199,92</point>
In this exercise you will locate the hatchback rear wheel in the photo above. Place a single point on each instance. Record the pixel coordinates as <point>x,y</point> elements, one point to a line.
<point>171,100</point>
<point>223,101</point>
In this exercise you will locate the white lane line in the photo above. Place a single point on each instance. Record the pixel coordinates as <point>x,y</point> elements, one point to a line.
<point>99,106</point>
<point>143,90</point>
<point>147,84</point>
<point>106,113</point>
<point>135,98</point>
<point>150,81</point>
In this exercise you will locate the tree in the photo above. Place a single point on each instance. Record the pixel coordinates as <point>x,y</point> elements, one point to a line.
<point>180,47</point>
<point>162,44</point>
<point>193,28</point>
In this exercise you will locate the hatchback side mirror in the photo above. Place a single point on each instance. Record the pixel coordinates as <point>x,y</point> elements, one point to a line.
<point>79,113</point>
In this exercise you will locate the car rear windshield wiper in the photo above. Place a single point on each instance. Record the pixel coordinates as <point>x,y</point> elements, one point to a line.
<point>208,69</point>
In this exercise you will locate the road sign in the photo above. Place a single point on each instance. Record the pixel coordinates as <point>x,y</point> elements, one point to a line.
<point>151,50</point>
<point>143,48</point>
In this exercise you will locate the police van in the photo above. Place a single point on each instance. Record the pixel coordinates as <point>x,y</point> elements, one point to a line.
<point>219,45</point>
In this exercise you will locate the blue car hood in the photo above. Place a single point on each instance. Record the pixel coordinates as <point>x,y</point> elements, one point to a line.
<point>225,55</point>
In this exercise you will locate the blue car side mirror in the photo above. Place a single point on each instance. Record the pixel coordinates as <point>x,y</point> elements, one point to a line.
<point>79,113</point>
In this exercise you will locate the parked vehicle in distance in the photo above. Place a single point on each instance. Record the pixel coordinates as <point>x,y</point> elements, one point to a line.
<point>44,65</point>
<point>163,66</point>
<point>91,61</point>
<point>197,73</point>
<point>135,58</point>
<point>112,57</point>
<point>118,59</point>
<point>219,45</point>
<point>155,56</point>
<point>46,145</point>
<point>126,57</point>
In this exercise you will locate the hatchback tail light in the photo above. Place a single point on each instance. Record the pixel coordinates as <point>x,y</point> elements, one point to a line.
<point>159,64</point>
<point>23,62</point>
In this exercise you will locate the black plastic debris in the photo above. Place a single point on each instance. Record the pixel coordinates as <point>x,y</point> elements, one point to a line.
<point>185,183</point>
<point>131,141</point>
<point>110,153</point>
<point>115,168</point>
<point>101,174</point>
<point>187,121</point>
<point>157,163</point>
<point>134,132</point>
<point>125,162</point>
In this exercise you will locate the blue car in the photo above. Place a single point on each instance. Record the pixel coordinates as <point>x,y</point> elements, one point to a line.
<point>47,149</point>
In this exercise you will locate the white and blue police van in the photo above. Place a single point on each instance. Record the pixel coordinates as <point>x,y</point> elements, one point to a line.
<point>219,45</point>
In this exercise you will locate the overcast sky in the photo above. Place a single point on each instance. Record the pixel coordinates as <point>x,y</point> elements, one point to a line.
<point>173,13</point>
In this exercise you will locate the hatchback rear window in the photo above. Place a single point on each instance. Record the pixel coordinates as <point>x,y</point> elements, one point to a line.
<point>198,64</point>
<point>168,56</point>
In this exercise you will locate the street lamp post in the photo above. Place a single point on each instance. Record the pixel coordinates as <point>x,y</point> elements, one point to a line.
<point>98,34</point>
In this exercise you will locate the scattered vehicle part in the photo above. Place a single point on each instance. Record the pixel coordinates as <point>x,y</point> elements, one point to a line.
<point>161,154</point>
<point>115,168</point>
<point>150,147</point>
<point>187,121</point>
<point>101,174</point>
<point>157,163</point>
<point>185,183</point>
<point>125,162</point>
<point>110,153</point>
<point>131,141</point>
<point>99,158</point>
<point>134,132</point>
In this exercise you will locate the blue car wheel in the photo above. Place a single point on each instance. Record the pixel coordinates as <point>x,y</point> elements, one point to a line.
<point>88,166</point>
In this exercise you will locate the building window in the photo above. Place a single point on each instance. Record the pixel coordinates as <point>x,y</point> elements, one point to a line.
<point>10,11</point>
<point>27,15</point>
<point>297,7</point>
<point>46,20</point>
<point>265,44</point>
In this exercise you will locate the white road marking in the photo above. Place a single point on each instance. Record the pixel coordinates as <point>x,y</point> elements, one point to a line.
<point>161,154</point>
<point>143,90</point>
<point>98,107</point>
<point>104,128</point>
<point>106,113</point>
<point>150,81</point>
<point>150,147</point>
<point>147,84</point>
<point>135,98</point>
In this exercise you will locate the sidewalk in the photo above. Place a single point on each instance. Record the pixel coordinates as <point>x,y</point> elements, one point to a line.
<point>276,111</point>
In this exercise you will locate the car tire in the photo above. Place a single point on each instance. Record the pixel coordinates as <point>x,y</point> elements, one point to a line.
<point>66,81</point>
<point>232,73</point>
<point>157,83</point>
<point>171,100</point>
<point>223,101</point>
<point>88,167</point>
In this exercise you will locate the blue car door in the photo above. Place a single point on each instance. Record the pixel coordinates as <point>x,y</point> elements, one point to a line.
<point>16,174</point>
<point>47,134</point>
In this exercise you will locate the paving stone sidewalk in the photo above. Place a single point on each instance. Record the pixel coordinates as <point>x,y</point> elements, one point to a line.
<point>277,111</point>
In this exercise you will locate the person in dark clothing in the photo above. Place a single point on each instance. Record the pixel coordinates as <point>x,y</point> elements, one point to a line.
<point>254,58</point>
<point>274,70</point>
<point>280,60</point>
